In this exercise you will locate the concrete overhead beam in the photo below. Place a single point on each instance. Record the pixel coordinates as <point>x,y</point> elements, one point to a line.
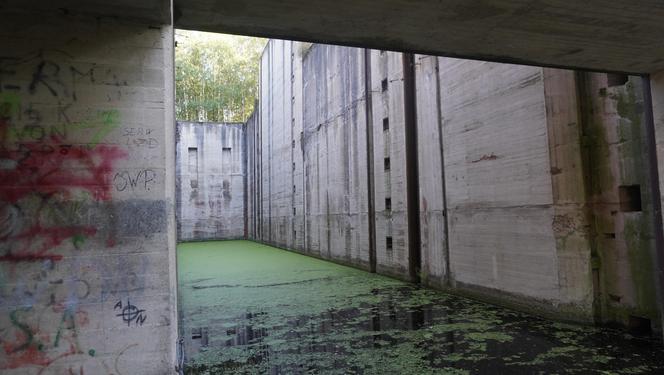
<point>600,35</point>
<point>149,11</point>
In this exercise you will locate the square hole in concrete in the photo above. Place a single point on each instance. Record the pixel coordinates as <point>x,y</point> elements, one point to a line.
<point>200,334</point>
<point>388,242</point>
<point>383,84</point>
<point>388,204</point>
<point>616,79</point>
<point>630,198</point>
<point>386,164</point>
<point>386,124</point>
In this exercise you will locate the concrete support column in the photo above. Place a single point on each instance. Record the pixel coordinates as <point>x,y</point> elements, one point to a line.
<point>370,160</point>
<point>564,132</point>
<point>654,92</point>
<point>412,183</point>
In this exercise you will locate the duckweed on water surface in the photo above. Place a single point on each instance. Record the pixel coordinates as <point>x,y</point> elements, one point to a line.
<point>247,308</point>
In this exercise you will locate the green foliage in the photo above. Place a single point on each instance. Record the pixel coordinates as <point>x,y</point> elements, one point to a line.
<point>216,76</point>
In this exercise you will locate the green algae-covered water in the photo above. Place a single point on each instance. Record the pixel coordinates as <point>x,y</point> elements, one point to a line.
<point>247,308</point>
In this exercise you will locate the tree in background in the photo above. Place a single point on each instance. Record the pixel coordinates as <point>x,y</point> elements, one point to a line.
<point>216,76</point>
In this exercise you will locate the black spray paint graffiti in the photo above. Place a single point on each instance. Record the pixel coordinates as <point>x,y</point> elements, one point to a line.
<point>130,313</point>
<point>143,179</point>
<point>139,137</point>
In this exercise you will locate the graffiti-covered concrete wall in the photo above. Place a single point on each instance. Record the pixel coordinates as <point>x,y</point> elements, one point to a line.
<point>210,181</point>
<point>85,195</point>
<point>530,180</point>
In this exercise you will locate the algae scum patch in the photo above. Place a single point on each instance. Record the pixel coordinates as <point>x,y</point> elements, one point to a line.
<point>247,308</point>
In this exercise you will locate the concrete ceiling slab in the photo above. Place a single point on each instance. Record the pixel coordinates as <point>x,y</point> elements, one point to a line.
<point>153,11</point>
<point>601,35</point>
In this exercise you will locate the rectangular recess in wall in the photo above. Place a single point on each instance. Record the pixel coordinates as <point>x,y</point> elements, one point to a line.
<point>193,167</point>
<point>383,84</point>
<point>616,79</point>
<point>386,124</point>
<point>386,164</point>
<point>388,243</point>
<point>226,160</point>
<point>630,198</point>
<point>388,204</point>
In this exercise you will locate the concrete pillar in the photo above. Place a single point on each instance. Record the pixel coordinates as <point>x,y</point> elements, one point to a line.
<point>568,193</point>
<point>87,252</point>
<point>655,125</point>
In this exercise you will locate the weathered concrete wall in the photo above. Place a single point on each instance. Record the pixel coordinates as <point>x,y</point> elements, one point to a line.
<point>275,139</point>
<point>498,178</point>
<point>389,163</point>
<point>433,223</point>
<point>618,189</point>
<point>657,97</point>
<point>251,188</point>
<point>85,196</point>
<point>571,216</point>
<point>334,154</point>
<point>507,208</point>
<point>210,181</point>
<point>309,140</point>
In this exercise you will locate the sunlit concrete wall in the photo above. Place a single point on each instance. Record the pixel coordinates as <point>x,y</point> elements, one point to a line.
<point>499,194</point>
<point>210,181</point>
<point>276,134</point>
<point>389,160</point>
<point>334,151</point>
<point>311,198</point>
<point>520,176</point>
<point>86,197</point>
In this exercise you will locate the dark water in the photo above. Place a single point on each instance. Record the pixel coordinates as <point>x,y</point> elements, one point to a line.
<point>248,308</point>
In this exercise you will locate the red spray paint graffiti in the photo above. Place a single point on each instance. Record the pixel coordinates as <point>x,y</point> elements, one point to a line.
<point>32,346</point>
<point>38,176</point>
<point>47,172</point>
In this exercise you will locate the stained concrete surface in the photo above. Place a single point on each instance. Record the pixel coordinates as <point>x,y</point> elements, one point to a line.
<point>210,170</point>
<point>251,308</point>
<point>511,158</point>
<point>86,196</point>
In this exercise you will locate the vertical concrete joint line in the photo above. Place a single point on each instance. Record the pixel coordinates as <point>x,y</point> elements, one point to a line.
<point>412,175</point>
<point>270,64</point>
<point>588,162</point>
<point>291,121</point>
<point>370,159</point>
<point>245,172</point>
<point>655,192</point>
<point>443,182</point>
